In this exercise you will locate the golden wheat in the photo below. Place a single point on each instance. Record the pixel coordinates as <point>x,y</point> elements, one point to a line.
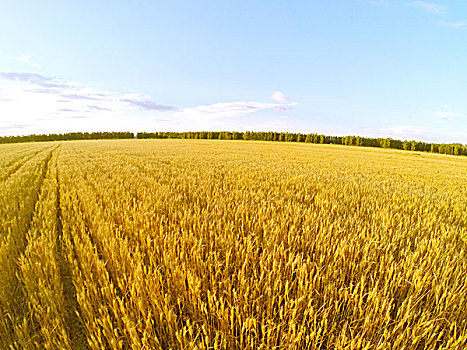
<point>184,244</point>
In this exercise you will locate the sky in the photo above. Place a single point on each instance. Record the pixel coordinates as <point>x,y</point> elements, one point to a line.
<point>376,68</point>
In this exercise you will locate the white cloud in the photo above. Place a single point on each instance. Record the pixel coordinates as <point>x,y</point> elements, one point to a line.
<point>36,87</point>
<point>143,101</point>
<point>222,112</point>
<point>460,24</point>
<point>413,132</point>
<point>378,2</point>
<point>230,109</point>
<point>39,104</point>
<point>270,125</point>
<point>449,115</point>
<point>280,97</point>
<point>424,5</point>
<point>33,103</point>
<point>26,59</point>
<point>429,6</point>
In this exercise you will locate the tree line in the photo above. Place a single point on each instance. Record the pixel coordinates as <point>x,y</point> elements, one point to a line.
<point>68,137</point>
<point>453,149</point>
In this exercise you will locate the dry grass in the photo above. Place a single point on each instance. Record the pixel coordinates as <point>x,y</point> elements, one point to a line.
<point>220,244</point>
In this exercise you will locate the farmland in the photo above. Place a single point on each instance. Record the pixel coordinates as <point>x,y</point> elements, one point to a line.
<point>231,244</point>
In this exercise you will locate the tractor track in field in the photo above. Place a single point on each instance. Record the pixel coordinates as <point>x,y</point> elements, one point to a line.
<point>20,304</point>
<point>18,164</point>
<point>37,196</point>
<point>15,158</point>
<point>74,325</point>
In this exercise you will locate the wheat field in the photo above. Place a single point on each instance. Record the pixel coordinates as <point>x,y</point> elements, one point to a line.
<point>191,244</point>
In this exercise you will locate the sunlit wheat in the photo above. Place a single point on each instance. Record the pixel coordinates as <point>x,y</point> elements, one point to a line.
<point>211,244</point>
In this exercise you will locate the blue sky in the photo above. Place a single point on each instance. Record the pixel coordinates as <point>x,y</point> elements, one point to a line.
<point>391,68</point>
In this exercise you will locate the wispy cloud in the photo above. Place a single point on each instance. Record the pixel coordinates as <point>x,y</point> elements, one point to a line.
<point>461,24</point>
<point>97,108</point>
<point>85,97</point>
<point>49,104</point>
<point>378,2</point>
<point>43,91</point>
<point>39,103</point>
<point>142,101</point>
<point>33,78</point>
<point>414,132</point>
<point>12,126</point>
<point>161,119</point>
<point>75,94</point>
<point>449,115</point>
<point>280,97</point>
<point>270,125</point>
<point>429,6</point>
<point>235,109</point>
<point>26,59</point>
<point>78,117</point>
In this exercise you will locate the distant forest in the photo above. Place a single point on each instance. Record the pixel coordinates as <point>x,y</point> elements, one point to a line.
<point>68,137</point>
<point>453,149</point>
